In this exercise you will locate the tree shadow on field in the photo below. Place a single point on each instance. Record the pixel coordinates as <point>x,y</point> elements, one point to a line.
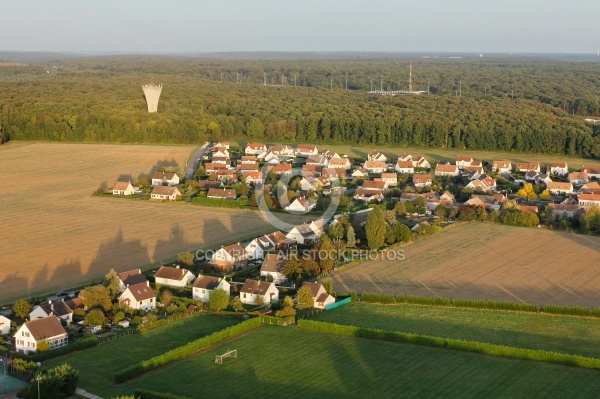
<point>162,254</point>
<point>126,177</point>
<point>165,163</point>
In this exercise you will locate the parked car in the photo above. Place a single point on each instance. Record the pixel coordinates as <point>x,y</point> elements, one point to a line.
<point>62,294</point>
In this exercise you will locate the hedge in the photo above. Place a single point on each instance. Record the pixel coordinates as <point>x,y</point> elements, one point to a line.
<point>457,344</point>
<point>220,203</point>
<point>146,394</point>
<point>571,310</point>
<point>278,321</point>
<point>188,349</point>
<point>63,350</point>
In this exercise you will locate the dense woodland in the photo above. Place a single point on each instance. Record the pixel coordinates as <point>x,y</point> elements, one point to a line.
<point>506,104</point>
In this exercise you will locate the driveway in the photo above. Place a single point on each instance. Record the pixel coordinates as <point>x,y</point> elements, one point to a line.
<point>194,161</point>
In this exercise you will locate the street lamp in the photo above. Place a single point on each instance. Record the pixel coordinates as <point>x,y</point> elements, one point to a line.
<point>38,381</point>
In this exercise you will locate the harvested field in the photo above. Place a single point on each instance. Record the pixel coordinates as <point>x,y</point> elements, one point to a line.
<point>488,261</point>
<point>57,235</point>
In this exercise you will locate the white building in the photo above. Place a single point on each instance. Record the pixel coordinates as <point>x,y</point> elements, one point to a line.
<point>320,297</point>
<point>123,188</point>
<point>52,308</point>
<point>253,289</point>
<point>204,285</point>
<point>165,178</point>
<point>139,296</point>
<point>165,193</point>
<point>47,329</point>
<point>173,276</point>
<point>4,325</point>
<point>272,266</point>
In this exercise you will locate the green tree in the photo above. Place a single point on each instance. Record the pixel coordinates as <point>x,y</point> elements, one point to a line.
<point>236,304</point>
<point>328,287</point>
<point>390,217</point>
<point>166,297</point>
<point>94,317</point>
<point>96,296</point>
<point>327,254</point>
<point>218,300</point>
<point>305,298</point>
<point>185,259</point>
<point>350,237</point>
<point>402,232</point>
<point>288,308</point>
<point>375,228</point>
<point>292,268</point>
<point>336,231</point>
<point>42,346</point>
<point>111,282</point>
<point>56,383</point>
<point>527,192</point>
<point>22,308</point>
<point>545,195</point>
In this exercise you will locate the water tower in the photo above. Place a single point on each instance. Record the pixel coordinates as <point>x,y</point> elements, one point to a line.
<point>152,93</point>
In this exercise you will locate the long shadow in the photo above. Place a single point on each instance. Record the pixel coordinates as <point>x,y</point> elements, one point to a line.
<point>165,163</point>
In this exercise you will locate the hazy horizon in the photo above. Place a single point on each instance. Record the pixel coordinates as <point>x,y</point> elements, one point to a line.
<point>379,26</point>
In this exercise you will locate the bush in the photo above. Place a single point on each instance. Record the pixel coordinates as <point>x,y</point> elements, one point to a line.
<point>146,394</point>
<point>571,310</point>
<point>188,349</point>
<point>457,344</point>
<point>77,345</point>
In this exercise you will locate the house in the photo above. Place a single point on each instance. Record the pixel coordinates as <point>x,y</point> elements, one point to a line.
<point>210,167</point>
<point>592,171</point>
<point>368,195</point>
<point>320,297</point>
<point>330,173</point>
<point>564,210</point>
<point>318,226</point>
<point>417,228</point>
<point>301,205</point>
<point>270,158</point>
<point>254,148</point>
<point>360,173</point>
<point>248,159</point>
<point>204,285</point>
<point>226,175</point>
<point>340,163</point>
<point>316,160</point>
<point>272,266</point>
<point>139,296</point>
<point>281,149</point>
<point>494,202</point>
<point>502,166</point>
<point>165,178</point>
<point>221,145</point>
<point>303,234</point>
<point>225,162</point>
<point>462,161</point>
<point>376,156</point>
<point>253,289</point>
<point>473,172</point>
<point>484,184</point>
<point>329,155</point>
<point>422,179</point>
<point>311,183</point>
<point>374,185</point>
<point>528,167</point>
<point>390,179</point>
<point>305,150</point>
<point>556,187</point>
<point>173,276</point>
<point>375,166</point>
<point>130,277</point>
<point>447,199</point>
<point>591,188</point>
<point>559,168</point>
<point>447,169</point>
<point>221,193</point>
<point>579,177</point>
<point>282,169</point>
<point>4,325</point>
<point>47,329</point>
<point>280,241</point>
<point>256,248</point>
<point>229,257</point>
<point>247,167</point>
<point>405,157</point>
<point>254,177</point>
<point>587,200</point>
<point>165,193</point>
<point>123,188</point>
<point>57,308</point>
<point>220,152</point>
<point>405,167</point>
<point>420,162</point>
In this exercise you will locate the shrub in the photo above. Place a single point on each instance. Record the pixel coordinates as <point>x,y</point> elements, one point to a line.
<point>77,345</point>
<point>146,394</point>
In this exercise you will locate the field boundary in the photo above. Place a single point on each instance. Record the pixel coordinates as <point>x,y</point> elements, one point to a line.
<point>451,343</point>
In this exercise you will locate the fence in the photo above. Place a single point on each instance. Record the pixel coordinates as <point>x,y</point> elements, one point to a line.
<point>334,305</point>
<point>277,321</point>
<point>113,336</point>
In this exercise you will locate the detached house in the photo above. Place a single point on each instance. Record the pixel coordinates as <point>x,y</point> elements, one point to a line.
<point>422,179</point>
<point>221,193</point>
<point>579,177</point>
<point>47,329</point>
<point>559,168</point>
<point>253,289</point>
<point>300,205</point>
<point>405,167</point>
<point>305,151</point>
<point>255,148</point>
<point>376,156</point>
<point>502,166</point>
<point>367,195</point>
<point>340,163</point>
<point>420,162</point>
<point>446,170</point>
<point>4,325</point>
<point>320,297</point>
<point>272,266</point>
<point>130,277</point>
<point>390,179</point>
<point>204,285</point>
<point>528,167</point>
<point>139,296</point>
<point>123,188</point>
<point>57,308</point>
<point>375,166</point>
<point>303,234</point>
<point>228,257</point>
<point>165,178</point>
<point>281,149</point>
<point>165,193</point>
<point>173,276</point>
<point>587,200</point>
<point>556,188</point>
<point>462,161</point>
<point>256,248</point>
<point>592,171</point>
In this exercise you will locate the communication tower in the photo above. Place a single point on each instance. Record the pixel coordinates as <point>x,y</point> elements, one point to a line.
<point>152,93</point>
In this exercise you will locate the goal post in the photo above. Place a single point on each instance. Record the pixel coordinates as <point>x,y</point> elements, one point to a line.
<point>232,354</point>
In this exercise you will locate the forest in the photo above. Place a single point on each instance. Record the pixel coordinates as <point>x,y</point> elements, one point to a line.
<point>523,104</point>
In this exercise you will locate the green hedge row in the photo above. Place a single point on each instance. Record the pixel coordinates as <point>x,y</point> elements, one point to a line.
<point>221,203</point>
<point>51,354</point>
<point>457,344</point>
<point>146,394</point>
<point>376,297</point>
<point>188,349</point>
<point>278,321</point>
<point>162,322</point>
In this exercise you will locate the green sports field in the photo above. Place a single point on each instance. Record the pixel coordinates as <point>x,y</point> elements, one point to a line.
<point>566,334</point>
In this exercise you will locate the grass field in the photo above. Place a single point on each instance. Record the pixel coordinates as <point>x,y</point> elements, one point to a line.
<point>57,235</point>
<point>97,365</point>
<point>287,362</point>
<point>488,261</point>
<point>572,335</point>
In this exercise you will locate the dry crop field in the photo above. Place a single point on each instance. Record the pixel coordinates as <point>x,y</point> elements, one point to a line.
<point>488,261</point>
<point>56,235</point>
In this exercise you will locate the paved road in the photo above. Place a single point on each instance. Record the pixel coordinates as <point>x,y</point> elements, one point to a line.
<point>194,161</point>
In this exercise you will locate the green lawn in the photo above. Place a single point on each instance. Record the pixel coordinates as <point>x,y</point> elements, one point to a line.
<point>287,362</point>
<point>564,334</point>
<point>97,365</point>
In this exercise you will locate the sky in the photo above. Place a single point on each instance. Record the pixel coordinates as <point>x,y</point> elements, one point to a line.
<point>199,26</point>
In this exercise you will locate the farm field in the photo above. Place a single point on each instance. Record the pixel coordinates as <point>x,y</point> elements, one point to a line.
<point>97,365</point>
<point>564,334</point>
<point>488,261</point>
<point>288,362</point>
<point>57,235</point>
